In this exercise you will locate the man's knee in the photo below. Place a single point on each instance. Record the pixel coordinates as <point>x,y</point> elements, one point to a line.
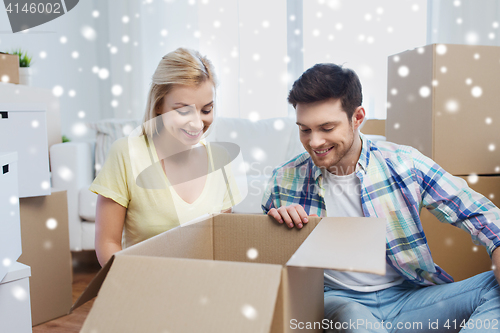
<point>339,309</point>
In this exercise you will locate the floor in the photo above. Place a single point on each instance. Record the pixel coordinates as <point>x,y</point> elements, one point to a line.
<point>85,267</point>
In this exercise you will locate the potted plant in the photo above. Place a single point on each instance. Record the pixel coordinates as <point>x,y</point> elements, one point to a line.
<point>24,66</point>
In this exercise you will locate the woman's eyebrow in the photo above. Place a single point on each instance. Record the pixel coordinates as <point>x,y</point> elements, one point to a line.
<point>184,104</point>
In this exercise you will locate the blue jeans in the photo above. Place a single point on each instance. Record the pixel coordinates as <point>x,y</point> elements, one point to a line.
<point>471,305</point>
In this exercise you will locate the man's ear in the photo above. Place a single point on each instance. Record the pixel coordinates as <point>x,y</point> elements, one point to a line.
<point>358,116</point>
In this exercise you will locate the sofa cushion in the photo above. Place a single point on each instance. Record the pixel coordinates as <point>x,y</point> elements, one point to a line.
<point>264,144</point>
<point>108,131</point>
<point>86,204</point>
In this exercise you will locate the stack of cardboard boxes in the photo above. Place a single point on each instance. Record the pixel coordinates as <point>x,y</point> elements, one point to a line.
<point>27,113</point>
<point>443,100</point>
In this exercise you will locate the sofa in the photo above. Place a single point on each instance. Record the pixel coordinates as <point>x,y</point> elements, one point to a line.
<point>264,145</point>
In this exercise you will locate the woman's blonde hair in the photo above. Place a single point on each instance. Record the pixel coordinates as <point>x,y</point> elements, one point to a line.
<point>180,67</point>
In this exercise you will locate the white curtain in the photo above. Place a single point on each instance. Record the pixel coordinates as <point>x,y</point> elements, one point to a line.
<point>474,22</point>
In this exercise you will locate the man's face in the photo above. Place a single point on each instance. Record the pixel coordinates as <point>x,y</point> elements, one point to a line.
<point>327,134</point>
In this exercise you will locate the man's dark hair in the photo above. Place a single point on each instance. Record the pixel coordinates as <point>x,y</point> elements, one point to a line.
<point>324,81</point>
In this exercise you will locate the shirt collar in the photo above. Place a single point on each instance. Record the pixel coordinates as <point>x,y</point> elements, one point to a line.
<point>363,160</point>
<point>364,157</point>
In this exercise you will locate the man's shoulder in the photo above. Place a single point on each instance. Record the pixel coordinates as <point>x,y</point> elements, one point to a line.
<point>390,150</point>
<point>292,166</point>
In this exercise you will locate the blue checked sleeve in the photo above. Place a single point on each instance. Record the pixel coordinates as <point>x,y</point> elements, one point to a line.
<point>271,194</point>
<point>452,201</point>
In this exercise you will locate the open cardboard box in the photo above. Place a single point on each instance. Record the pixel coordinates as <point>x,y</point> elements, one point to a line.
<point>230,273</point>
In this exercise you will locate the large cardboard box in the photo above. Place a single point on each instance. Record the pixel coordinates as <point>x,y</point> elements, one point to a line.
<point>452,248</point>
<point>15,313</point>
<point>230,273</point>
<point>443,100</point>
<point>9,68</point>
<point>44,230</point>
<point>373,127</point>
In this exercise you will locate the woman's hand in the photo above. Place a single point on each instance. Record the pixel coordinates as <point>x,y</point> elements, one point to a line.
<point>109,221</point>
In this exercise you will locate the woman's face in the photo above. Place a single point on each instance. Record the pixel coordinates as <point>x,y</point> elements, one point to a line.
<point>187,112</point>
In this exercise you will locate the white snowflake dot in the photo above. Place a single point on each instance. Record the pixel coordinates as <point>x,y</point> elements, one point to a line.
<point>51,223</point>
<point>252,253</point>
<point>117,90</point>
<point>403,71</point>
<point>476,91</point>
<point>472,178</point>
<point>488,121</point>
<point>424,91</point>
<point>441,49</point>
<point>249,312</point>
<point>63,40</point>
<point>103,73</point>
<point>88,33</point>
<point>57,91</point>
<point>452,106</point>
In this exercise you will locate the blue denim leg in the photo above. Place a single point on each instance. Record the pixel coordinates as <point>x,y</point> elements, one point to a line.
<point>351,311</point>
<point>443,308</point>
<point>474,302</point>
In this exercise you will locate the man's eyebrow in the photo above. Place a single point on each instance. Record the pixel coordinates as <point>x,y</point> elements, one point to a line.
<point>330,123</point>
<point>327,123</point>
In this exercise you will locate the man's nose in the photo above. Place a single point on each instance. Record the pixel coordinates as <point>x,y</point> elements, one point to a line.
<point>317,140</point>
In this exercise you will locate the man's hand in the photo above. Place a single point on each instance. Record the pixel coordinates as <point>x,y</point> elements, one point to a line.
<point>293,215</point>
<point>495,258</point>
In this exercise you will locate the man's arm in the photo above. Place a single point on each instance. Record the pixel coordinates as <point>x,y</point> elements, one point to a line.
<point>495,258</point>
<point>451,200</point>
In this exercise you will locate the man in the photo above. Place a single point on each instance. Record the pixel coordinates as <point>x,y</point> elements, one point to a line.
<point>344,174</point>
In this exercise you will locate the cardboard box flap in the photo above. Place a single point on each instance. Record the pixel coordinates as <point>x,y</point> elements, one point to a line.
<point>193,241</point>
<point>16,271</point>
<point>257,238</point>
<point>93,288</point>
<point>345,244</point>
<point>148,294</point>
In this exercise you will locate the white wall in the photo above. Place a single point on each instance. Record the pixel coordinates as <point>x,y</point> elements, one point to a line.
<point>361,35</point>
<point>59,68</point>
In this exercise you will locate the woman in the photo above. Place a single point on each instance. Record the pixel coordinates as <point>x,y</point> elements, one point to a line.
<point>155,180</point>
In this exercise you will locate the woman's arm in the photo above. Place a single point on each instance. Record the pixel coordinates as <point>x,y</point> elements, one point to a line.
<point>109,220</point>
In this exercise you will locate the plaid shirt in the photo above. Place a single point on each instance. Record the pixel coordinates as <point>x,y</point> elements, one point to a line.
<point>396,182</point>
